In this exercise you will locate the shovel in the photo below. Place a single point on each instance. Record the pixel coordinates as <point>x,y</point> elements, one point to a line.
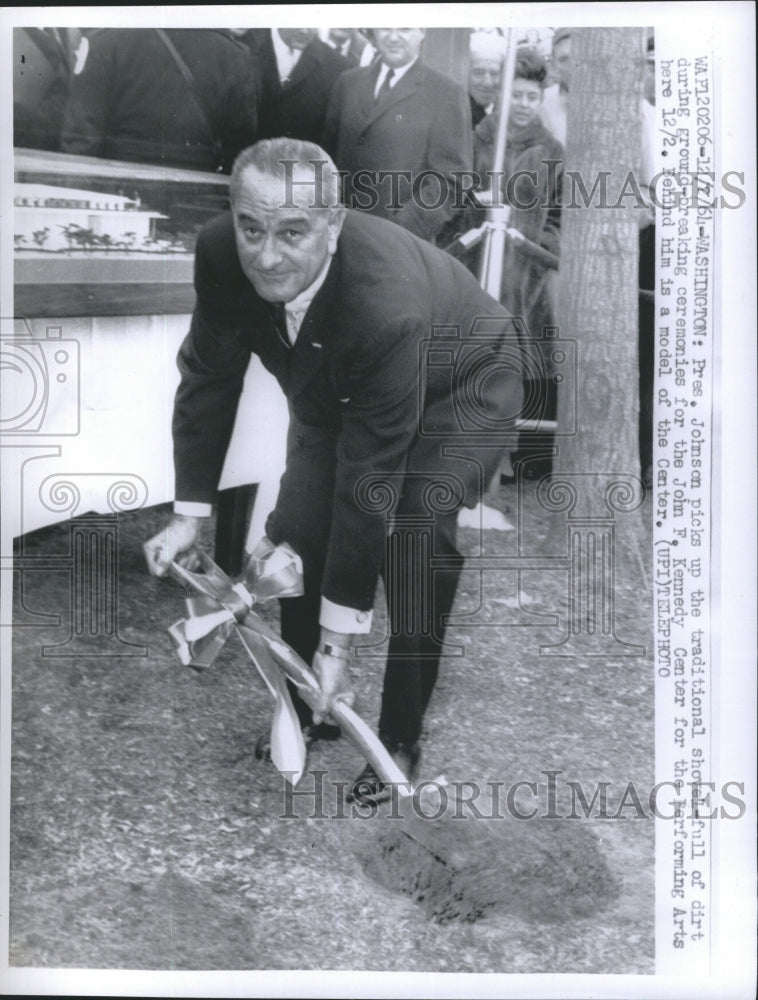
<point>219,607</point>
<point>456,870</point>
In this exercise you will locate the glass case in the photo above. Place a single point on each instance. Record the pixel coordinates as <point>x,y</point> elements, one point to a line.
<point>99,237</point>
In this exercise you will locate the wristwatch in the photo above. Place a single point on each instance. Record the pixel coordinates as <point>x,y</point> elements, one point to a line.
<point>341,652</point>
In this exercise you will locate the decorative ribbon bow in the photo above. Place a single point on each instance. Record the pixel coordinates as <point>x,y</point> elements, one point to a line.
<point>222,607</point>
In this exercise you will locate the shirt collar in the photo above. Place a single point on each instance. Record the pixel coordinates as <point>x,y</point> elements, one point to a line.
<point>399,72</point>
<point>286,58</point>
<point>304,299</point>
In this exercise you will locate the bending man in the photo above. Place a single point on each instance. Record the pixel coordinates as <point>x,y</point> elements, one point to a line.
<point>401,376</point>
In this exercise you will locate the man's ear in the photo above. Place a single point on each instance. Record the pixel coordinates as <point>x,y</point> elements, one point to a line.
<point>336,218</point>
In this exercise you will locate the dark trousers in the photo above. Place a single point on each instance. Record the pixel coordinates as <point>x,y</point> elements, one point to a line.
<point>419,601</point>
<point>536,448</point>
<point>419,594</point>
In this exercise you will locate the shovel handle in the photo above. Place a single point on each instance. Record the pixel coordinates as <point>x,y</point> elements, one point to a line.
<point>360,734</point>
<point>364,739</point>
<point>357,731</point>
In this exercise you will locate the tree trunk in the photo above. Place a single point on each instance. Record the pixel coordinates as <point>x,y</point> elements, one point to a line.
<point>597,301</point>
<point>595,487</point>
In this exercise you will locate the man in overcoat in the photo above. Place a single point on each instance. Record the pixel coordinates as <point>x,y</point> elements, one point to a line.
<point>296,72</point>
<point>401,376</point>
<point>401,131</point>
<point>184,97</point>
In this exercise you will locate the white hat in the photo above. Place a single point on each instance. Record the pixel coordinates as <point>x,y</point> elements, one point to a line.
<point>487,43</point>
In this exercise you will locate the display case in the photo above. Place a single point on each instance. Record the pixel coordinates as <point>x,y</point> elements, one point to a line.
<point>102,238</point>
<point>103,293</point>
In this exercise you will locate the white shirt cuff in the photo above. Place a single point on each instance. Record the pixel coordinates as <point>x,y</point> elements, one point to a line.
<point>338,618</point>
<point>191,509</point>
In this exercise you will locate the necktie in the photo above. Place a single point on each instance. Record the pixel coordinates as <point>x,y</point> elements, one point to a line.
<point>386,84</point>
<point>279,317</point>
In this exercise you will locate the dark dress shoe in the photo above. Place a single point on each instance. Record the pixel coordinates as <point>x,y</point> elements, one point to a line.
<point>311,734</point>
<point>369,787</point>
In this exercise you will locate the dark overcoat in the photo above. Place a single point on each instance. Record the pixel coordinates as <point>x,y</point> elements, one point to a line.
<point>422,125</point>
<point>297,107</point>
<point>131,101</point>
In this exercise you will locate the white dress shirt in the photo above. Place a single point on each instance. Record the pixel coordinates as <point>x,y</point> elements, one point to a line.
<point>298,307</point>
<point>286,58</point>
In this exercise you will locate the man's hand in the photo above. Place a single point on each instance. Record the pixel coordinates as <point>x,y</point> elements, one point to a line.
<point>334,680</point>
<point>171,544</point>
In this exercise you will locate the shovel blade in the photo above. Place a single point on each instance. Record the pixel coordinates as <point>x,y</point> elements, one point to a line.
<point>287,743</point>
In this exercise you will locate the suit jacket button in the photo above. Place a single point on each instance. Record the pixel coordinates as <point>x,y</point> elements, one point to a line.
<point>361,617</point>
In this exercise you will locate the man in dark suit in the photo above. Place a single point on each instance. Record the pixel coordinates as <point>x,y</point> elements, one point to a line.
<point>379,426</point>
<point>402,133</point>
<point>296,72</point>
<point>132,99</point>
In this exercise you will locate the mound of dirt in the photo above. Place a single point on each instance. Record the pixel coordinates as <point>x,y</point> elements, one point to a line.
<point>462,866</point>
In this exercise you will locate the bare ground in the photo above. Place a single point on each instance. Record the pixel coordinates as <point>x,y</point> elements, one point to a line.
<point>144,834</point>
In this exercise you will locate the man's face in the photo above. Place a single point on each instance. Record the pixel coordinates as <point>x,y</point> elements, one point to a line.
<point>526,98</point>
<point>399,46</point>
<point>560,63</point>
<point>283,243</point>
<point>340,35</point>
<point>297,38</point>
<point>484,79</point>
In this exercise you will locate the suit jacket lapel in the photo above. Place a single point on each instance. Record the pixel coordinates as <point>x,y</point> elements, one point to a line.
<point>403,89</point>
<point>310,58</point>
<point>314,342</point>
<point>366,94</point>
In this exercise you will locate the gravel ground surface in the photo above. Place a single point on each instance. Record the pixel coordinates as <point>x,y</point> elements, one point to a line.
<point>145,835</point>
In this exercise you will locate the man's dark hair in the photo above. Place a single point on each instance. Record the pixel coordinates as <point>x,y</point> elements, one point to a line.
<point>275,157</point>
<point>530,65</point>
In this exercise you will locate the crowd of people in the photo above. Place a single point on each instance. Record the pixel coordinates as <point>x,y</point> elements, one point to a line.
<point>365,287</point>
<point>404,135</point>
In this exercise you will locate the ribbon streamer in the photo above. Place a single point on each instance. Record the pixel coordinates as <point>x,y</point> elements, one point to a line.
<point>220,607</point>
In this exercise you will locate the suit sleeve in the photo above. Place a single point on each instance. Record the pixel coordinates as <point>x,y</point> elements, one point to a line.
<point>238,114</point>
<point>551,234</point>
<point>212,361</point>
<point>378,426</point>
<point>330,136</point>
<point>449,151</point>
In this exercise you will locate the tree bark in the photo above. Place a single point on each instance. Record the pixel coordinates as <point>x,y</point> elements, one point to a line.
<point>595,490</point>
<point>597,300</point>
